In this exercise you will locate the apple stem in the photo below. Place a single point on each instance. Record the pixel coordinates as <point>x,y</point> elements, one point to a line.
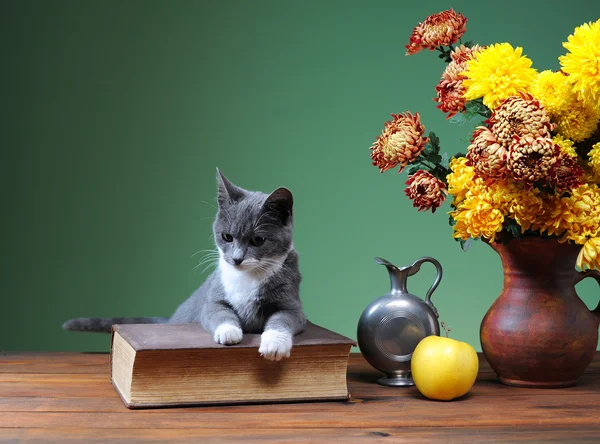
<point>446,328</point>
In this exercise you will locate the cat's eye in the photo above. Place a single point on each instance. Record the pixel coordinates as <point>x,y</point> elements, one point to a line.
<point>227,237</point>
<point>257,241</point>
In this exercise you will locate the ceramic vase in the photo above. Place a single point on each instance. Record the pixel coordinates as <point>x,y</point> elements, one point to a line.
<point>539,333</point>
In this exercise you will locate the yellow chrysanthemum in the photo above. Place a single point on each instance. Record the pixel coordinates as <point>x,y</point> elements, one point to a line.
<point>594,158</point>
<point>577,121</point>
<point>582,214</point>
<point>552,89</point>
<point>496,73</point>
<point>589,256</point>
<point>480,209</point>
<point>575,217</point>
<point>590,176</point>
<point>513,201</point>
<point>582,62</point>
<point>555,217</point>
<point>523,206</point>
<point>460,179</point>
<point>566,145</point>
<point>477,217</point>
<point>484,208</point>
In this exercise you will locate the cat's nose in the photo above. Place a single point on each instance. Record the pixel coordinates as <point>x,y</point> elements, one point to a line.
<point>237,261</point>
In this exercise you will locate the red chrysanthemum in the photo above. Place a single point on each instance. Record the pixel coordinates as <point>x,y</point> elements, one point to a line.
<point>519,116</point>
<point>400,143</point>
<point>450,90</point>
<point>568,173</point>
<point>441,29</point>
<point>462,53</point>
<point>426,191</point>
<point>486,155</point>
<point>533,160</point>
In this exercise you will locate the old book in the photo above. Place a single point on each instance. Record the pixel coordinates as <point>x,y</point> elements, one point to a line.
<point>154,365</point>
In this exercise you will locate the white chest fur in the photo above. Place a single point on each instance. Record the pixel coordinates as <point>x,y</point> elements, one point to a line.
<point>241,287</point>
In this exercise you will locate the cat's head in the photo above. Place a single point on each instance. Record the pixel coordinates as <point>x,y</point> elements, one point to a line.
<point>253,230</point>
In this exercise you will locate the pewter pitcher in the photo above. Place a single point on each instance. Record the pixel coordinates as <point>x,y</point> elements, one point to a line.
<point>392,325</point>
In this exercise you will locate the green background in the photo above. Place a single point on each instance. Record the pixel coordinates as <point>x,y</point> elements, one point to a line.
<point>116,114</point>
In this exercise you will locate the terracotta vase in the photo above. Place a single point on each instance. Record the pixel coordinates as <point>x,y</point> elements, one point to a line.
<point>538,333</point>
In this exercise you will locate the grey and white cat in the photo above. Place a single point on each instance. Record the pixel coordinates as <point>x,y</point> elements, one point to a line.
<point>255,288</point>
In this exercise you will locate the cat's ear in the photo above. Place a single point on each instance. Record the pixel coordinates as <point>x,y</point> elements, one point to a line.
<point>227,193</point>
<point>280,202</point>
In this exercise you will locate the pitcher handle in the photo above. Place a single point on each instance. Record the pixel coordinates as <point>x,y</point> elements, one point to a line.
<point>594,274</point>
<point>416,266</point>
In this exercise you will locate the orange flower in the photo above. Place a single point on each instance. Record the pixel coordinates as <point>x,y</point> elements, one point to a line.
<point>568,174</point>
<point>462,53</point>
<point>532,160</point>
<point>426,191</point>
<point>450,90</point>
<point>400,143</point>
<point>441,29</point>
<point>486,155</point>
<point>519,116</point>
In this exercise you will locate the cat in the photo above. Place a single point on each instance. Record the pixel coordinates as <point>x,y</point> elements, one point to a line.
<point>255,288</point>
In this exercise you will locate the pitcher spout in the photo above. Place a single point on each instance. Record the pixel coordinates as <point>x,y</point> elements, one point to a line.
<point>398,276</point>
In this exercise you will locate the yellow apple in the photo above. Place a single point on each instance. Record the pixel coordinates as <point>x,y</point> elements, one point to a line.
<point>443,368</point>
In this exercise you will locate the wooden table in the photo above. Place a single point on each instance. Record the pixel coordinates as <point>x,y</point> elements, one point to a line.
<point>67,397</point>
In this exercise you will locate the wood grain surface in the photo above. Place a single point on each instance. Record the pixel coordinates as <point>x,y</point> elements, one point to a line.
<point>67,397</point>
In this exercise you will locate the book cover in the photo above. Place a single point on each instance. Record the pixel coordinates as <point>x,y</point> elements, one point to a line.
<point>155,365</point>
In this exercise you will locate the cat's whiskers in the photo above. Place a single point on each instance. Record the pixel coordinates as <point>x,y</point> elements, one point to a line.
<point>214,263</point>
<point>208,263</point>
<point>269,264</point>
<point>209,204</point>
<point>212,250</point>
<point>206,258</point>
<point>211,257</point>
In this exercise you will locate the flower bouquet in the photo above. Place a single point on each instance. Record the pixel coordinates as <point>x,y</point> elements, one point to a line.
<point>527,185</point>
<point>533,165</point>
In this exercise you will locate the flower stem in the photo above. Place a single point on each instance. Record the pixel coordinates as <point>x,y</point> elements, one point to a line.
<point>446,328</point>
<point>428,163</point>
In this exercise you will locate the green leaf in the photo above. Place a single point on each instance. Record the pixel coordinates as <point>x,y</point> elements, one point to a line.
<point>477,107</point>
<point>445,162</point>
<point>466,244</point>
<point>429,149</point>
<point>413,170</point>
<point>434,158</point>
<point>462,118</point>
<point>440,173</point>
<point>432,149</point>
<point>445,53</point>
<point>435,140</point>
<point>513,228</point>
<point>474,111</point>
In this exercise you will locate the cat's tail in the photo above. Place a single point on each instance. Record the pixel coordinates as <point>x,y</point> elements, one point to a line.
<point>104,325</point>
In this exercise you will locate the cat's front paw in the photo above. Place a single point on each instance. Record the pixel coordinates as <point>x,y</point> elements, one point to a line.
<point>228,334</point>
<point>275,345</point>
